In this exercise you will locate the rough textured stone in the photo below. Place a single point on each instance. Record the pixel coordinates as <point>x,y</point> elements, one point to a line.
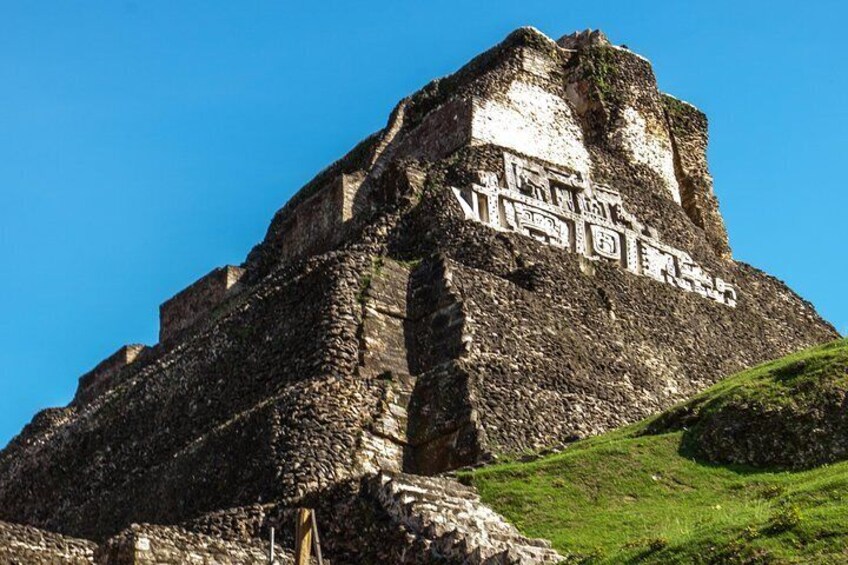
<point>391,518</point>
<point>198,300</point>
<point>447,523</point>
<point>160,545</point>
<point>377,327</point>
<point>24,545</point>
<point>103,375</point>
<point>689,135</point>
<point>137,545</point>
<point>565,211</point>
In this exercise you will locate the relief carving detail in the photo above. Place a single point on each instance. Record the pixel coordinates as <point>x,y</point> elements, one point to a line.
<point>564,210</point>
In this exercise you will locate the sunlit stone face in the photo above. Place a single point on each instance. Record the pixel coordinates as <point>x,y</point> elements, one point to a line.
<point>649,145</point>
<point>533,121</point>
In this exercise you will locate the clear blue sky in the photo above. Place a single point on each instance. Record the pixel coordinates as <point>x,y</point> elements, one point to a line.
<point>144,143</point>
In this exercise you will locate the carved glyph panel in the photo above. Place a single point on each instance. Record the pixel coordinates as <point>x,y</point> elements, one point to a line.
<point>565,211</point>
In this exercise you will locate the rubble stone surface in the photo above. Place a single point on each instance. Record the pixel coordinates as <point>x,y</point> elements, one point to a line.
<point>137,545</point>
<point>379,328</point>
<point>25,545</point>
<point>446,522</point>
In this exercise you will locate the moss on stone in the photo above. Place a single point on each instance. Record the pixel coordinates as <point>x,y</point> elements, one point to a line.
<point>600,69</point>
<point>368,278</point>
<point>676,106</point>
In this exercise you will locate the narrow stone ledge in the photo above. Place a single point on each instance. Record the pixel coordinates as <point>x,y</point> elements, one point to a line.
<point>93,383</point>
<point>198,300</point>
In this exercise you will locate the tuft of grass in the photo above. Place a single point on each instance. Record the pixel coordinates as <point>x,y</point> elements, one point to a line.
<point>634,496</point>
<point>410,264</point>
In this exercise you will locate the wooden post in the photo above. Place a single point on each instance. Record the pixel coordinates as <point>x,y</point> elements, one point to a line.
<point>316,541</point>
<point>303,537</point>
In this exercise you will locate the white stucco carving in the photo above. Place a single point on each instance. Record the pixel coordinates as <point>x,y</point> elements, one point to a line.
<point>533,121</point>
<point>566,211</point>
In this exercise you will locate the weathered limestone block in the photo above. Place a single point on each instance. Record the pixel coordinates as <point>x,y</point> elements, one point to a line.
<point>198,300</point>
<point>448,523</point>
<point>616,94</point>
<point>534,121</point>
<point>383,359</point>
<point>443,430</point>
<point>98,379</point>
<point>647,142</point>
<point>24,545</point>
<point>440,132</point>
<point>689,135</point>
<point>171,545</point>
<point>317,223</point>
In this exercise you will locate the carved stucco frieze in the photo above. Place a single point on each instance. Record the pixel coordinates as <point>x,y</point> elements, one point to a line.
<point>566,211</point>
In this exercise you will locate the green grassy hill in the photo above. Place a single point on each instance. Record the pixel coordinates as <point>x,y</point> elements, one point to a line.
<point>682,487</point>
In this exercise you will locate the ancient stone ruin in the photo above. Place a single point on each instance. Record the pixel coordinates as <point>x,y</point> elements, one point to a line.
<point>529,253</point>
<point>562,210</point>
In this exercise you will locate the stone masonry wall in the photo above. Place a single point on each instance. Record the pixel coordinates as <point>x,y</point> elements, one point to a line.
<point>158,545</point>
<point>137,545</point>
<point>95,381</point>
<point>24,545</point>
<point>560,347</point>
<point>443,431</point>
<point>197,301</point>
<point>390,517</point>
<point>380,326</point>
<point>317,224</point>
<point>383,358</point>
<point>689,134</point>
<point>228,416</point>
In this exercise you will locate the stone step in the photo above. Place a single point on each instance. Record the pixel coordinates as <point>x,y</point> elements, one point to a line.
<point>448,518</point>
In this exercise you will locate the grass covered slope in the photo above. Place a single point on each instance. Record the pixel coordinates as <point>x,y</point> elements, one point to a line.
<point>790,413</point>
<point>649,494</point>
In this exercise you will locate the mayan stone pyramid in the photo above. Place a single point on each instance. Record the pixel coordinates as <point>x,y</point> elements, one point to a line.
<point>530,252</point>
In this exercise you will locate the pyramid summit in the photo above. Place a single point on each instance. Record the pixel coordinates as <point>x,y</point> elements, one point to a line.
<point>529,253</point>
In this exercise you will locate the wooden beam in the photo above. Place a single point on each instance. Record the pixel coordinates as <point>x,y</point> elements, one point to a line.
<point>303,537</point>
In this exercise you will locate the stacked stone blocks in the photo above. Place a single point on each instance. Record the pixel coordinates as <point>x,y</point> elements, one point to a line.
<point>426,303</point>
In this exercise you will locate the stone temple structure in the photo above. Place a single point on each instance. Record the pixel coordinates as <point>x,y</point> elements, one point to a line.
<point>530,252</point>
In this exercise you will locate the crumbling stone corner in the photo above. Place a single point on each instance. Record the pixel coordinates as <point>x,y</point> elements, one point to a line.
<point>689,138</point>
